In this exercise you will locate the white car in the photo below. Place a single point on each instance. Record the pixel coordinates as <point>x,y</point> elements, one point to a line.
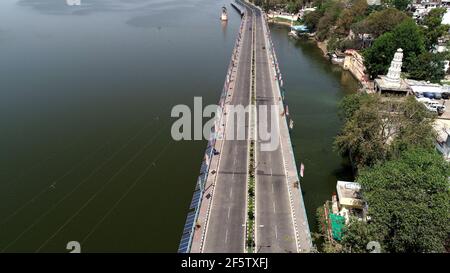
<point>431,105</point>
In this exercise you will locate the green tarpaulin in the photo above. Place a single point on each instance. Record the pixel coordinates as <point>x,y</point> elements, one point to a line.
<point>337,225</point>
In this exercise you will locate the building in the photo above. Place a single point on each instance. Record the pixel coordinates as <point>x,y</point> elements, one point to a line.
<point>392,82</point>
<point>422,8</point>
<point>350,202</point>
<point>373,2</point>
<point>427,89</point>
<point>441,45</point>
<point>73,2</point>
<point>354,63</point>
<point>442,127</point>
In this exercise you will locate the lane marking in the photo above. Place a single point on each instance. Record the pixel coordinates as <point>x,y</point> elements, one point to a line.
<point>216,179</point>
<point>276,231</point>
<point>229,209</point>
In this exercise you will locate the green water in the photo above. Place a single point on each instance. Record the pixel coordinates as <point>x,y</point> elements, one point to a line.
<point>85,100</point>
<point>313,89</point>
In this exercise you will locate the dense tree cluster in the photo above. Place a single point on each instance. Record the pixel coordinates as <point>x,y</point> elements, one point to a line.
<point>376,129</point>
<point>404,180</point>
<point>409,204</point>
<point>416,41</point>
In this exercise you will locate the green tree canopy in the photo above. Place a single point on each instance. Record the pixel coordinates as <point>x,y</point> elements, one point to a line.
<point>378,57</point>
<point>376,130</point>
<point>311,19</point>
<point>293,6</point>
<point>407,35</point>
<point>432,27</point>
<point>331,11</point>
<point>380,22</point>
<point>349,16</point>
<point>408,201</point>
<point>400,4</point>
<point>426,66</point>
<point>356,235</point>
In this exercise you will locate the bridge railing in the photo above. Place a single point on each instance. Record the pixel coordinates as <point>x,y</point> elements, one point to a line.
<point>239,9</point>
<point>292,167</point>
<point>193,213</point>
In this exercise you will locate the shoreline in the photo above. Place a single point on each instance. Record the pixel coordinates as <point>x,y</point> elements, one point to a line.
<point>363,87</point>
<point>321,45</point>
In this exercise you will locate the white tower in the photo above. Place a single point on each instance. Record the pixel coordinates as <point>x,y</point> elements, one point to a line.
<point>393,75</point>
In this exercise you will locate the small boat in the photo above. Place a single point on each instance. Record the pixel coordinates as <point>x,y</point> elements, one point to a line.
<point>224,16</point>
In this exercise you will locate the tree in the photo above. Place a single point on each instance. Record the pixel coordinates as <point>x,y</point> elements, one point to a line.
<point>380,22</point>
<point>331,11</point>
<point>432,27</point>
<point>427,66</point>
<point>406,35</point>
<point>408,200</point>
<point>355,237</point>
<point>311,19</point>
<point>376,130</point>
<point>378,57</point>
<point>413,126</point>
<point>434,18</point>
<point>360,137</point>
<point>354,13</point>
<point>400,4</point>
<point>350,104</point>
<point>294,6</point>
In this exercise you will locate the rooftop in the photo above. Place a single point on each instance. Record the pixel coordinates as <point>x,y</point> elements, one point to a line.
<point>349,194</point>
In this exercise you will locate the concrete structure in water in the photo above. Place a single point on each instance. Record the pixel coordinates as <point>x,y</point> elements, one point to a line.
<point>354,62</point>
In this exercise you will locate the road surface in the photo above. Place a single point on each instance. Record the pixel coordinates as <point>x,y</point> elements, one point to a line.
<point>226,225</point>
<point>274,224</point>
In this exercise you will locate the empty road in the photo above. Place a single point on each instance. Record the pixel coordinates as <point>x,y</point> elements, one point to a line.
<point>226,226</point>
<point>274,224</point>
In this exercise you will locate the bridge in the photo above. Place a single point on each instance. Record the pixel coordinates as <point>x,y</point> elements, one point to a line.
<point>248,198</point>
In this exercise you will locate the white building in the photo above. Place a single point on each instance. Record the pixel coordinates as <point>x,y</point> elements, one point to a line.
<point>373,2</point>
<point>442,127</point>
<point>350,200</point>
<point>392,82</point>
<point>73,2</point>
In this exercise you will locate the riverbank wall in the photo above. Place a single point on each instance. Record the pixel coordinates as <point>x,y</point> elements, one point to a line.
<point>366,85</point>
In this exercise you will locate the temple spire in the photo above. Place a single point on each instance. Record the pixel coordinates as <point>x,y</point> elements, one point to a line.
<point>393,75</point>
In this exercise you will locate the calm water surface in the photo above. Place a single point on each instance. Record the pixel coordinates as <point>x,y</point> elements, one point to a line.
<point>85,99</point>
<point>313,89</point>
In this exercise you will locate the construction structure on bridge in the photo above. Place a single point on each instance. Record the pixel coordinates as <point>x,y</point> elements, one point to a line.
<point>248,198</point>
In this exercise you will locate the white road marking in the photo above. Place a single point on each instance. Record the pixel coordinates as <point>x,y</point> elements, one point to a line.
<point>229,209</point>
<point>273,207</point>
<point>276,232</point>
<point>273,191</point>
<point>231,192</point>
<point>226,236</point>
